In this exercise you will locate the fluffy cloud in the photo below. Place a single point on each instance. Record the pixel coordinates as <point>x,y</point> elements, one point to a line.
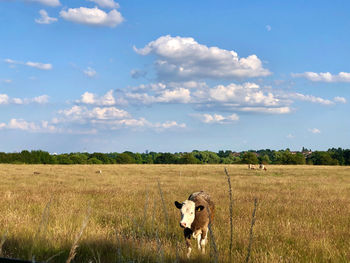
<point>45,18</point>
<point>110,118</point>
<point>217,118</point>
<point>106,3</point>
<point>82,113</point>
<point>37,65</point>
<point>52,3</point>
<point>20,124</point>
<point>339,99</point>
<point>92,16</point>
<point>90,72</point>
<point>314,130</point>
<point>324,77</point>
<point>245,97</point>
<point>184,58</point>
<point>310,98</point>
<point>106,100</point>
<point>5,99</point>
<point>180,95</point>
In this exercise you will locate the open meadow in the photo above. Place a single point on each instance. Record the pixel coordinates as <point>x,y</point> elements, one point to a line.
<point>125,215</point>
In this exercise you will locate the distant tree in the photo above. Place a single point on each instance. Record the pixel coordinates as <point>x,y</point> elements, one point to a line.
<point>250,157</point>
<point>78,158</point>
<point>125,158</point>
<point>94,160</point>
<point>64,159</point>
<point>323,158</point>
<point>187,158</point>
<point>264,159</point>
<point>207,157</point>
<point>165,158</point>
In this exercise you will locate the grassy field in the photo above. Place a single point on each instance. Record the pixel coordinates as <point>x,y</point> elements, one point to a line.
<point>303,212</point>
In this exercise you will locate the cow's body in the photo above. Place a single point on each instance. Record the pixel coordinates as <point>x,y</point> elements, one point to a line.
<point>251,166</point>
<point>197,213</point>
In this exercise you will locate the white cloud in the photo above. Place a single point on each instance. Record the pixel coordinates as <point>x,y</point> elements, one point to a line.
<point>246,97</point>
<point>184,58</point>
<point>323,76</point>
<point>268,28</point>
<point>5,99</point>
<point>8,81</point>
<point>310,98</point>
<point>106,100</point>
<point>109,118</point>
<point>20,124</point>
<point>168,125</point>
<point>90,72</point>
<point>92,16</point>
<point>37,65</point>
<point>339,99</point>
<point>267,110</point>
<point>290,136</point>
<point>106,3</point>
<point>52,3</point>
<point>40,99</point>
<point>217,118</point>
<point>82,113</point>
<point>314,130</point>
<point>178,95</point>
<point>247,94</point>
<point>45,18</point>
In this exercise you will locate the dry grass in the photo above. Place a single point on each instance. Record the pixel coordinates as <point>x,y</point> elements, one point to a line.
<point>303,212</point>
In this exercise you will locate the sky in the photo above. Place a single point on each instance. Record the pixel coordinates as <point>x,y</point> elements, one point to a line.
<point>174,76</point>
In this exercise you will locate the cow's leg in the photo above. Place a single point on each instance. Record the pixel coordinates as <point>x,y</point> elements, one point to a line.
<point>187,233</point>
<point>189,249</point>
<point>199,238</point>
<point>204,239</point>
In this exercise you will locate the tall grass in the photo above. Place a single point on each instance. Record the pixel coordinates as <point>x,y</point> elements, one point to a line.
<point>302,215</point>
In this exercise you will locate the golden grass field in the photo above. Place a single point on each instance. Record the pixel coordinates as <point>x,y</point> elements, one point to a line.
<point>303,212</point>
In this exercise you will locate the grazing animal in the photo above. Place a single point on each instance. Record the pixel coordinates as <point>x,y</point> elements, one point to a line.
<point>262,167</point>
<point>197,212</point>
<point>36,173</point>
<point>251,166</point>
<point>99,172</point>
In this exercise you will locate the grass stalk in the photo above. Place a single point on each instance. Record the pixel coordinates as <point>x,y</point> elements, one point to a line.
<point>164,207</point>
<point>213,246</point>
<point>231,212</point>
<point>73,250</point>
<point>251,231</point>
<point>41,229</point>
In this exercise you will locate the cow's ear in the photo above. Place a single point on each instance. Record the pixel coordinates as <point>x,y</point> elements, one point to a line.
<point>178,205</point>
<point>199,208</point>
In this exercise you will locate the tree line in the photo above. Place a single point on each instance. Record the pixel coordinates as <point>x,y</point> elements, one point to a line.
<point>332,156</point>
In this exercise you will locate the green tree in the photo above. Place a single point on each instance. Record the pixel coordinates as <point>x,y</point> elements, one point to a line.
<point>250,157</point>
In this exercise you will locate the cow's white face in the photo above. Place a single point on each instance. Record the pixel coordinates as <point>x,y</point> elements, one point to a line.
<point>187,209</point>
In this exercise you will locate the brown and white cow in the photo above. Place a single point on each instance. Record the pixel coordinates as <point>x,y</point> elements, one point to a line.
<point>197,212</point>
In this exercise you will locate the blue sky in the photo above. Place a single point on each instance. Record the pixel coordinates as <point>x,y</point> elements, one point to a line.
<point>101,75</point>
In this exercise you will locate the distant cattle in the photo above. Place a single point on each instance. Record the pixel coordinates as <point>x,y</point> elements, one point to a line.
<point>99,172</point>
<point>262,167</point>
<point>36,173</point>
<point>197,212</point>
<point>251,166</point>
